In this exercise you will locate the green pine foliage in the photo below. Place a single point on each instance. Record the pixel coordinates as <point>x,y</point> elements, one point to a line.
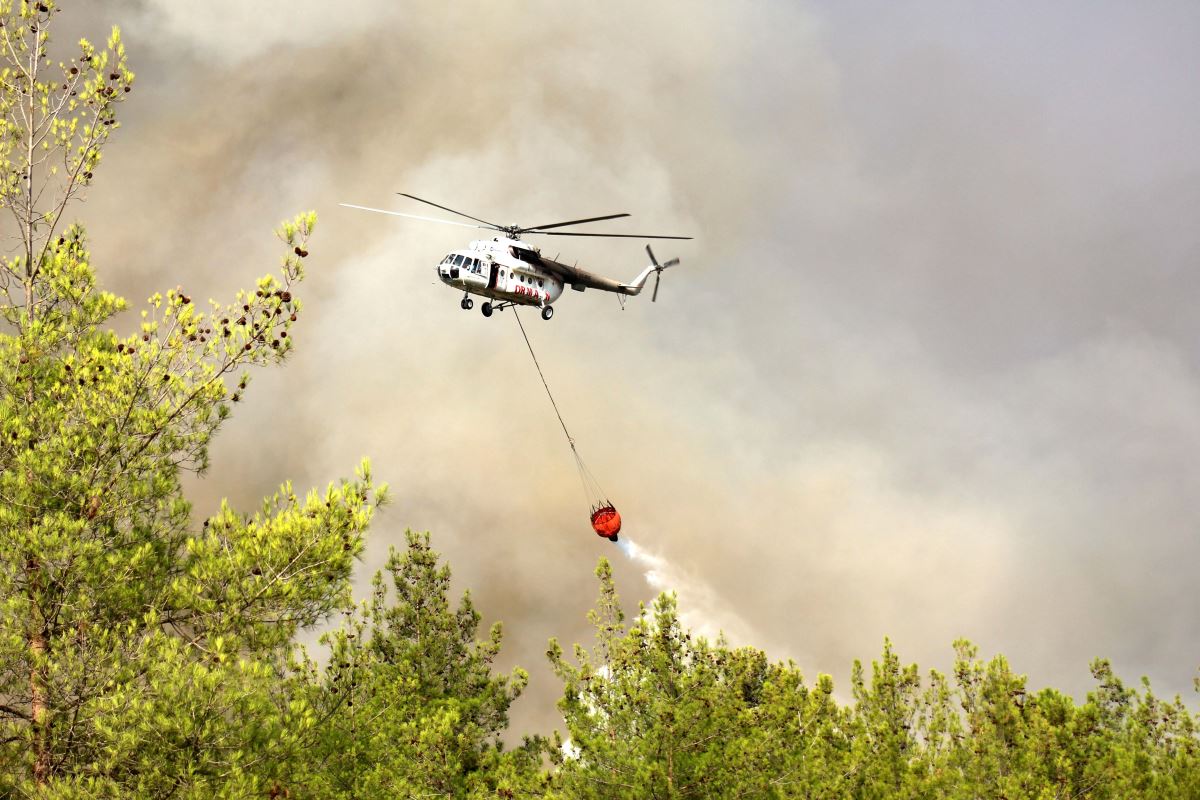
<point>652,711</point>
<point>142,651</point>
<point>410,702</point>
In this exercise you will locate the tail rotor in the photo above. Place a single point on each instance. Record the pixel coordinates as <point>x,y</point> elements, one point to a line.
<point>658,268</point>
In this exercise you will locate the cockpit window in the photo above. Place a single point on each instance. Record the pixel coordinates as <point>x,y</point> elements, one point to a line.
<point>458,260</point>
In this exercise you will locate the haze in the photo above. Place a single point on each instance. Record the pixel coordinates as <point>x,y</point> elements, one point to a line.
<point>928,369</point>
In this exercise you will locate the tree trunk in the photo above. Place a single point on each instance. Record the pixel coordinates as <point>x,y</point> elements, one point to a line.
<point>39,706</point>
<point>40,710</point>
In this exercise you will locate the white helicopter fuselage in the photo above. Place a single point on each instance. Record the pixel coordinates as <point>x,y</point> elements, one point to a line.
<point>513,273</point>
<point>502,269</point>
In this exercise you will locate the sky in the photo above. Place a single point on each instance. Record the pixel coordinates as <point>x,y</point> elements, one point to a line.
<point>927,370</point>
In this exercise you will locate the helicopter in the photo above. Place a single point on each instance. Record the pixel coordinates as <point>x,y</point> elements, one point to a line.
<point>510,272</point>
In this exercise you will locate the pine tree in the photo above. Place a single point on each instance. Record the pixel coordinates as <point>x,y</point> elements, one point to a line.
<point>885,717</point>
<point>409,701</point>
<point>140,651</point>
<point>652,711</point>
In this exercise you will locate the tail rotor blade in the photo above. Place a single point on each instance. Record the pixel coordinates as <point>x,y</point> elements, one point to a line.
<point>657,278</point>
<point>670,263</point>
<point>650,253</point>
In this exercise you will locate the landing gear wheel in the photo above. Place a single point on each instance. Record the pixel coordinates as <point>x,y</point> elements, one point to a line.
<point>547,312</point>
<point>467,304</point>
<point>486,308</point>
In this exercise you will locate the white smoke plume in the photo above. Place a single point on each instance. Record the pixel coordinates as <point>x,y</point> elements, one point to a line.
<point>701,608</point>
<point>927,370</point>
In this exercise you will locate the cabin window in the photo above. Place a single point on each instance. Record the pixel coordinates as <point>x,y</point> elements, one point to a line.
<point>539,283</point>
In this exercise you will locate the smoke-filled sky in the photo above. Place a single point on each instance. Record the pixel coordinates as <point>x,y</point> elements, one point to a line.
<point>928,369</point>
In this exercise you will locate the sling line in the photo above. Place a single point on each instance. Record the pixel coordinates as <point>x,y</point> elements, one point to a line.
<point>591,487</point>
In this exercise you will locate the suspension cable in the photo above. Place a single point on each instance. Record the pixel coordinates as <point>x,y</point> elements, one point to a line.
<point>591,487</point>
<point>570,440</point>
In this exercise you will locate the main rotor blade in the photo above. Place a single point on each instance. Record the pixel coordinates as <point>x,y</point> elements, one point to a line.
<point>572,222</point>
<point>451,210</point>
<point>414,216</point>
<point>609,235</point>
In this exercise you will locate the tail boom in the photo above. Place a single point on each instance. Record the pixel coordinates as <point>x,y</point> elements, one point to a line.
<point>634,287</point>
